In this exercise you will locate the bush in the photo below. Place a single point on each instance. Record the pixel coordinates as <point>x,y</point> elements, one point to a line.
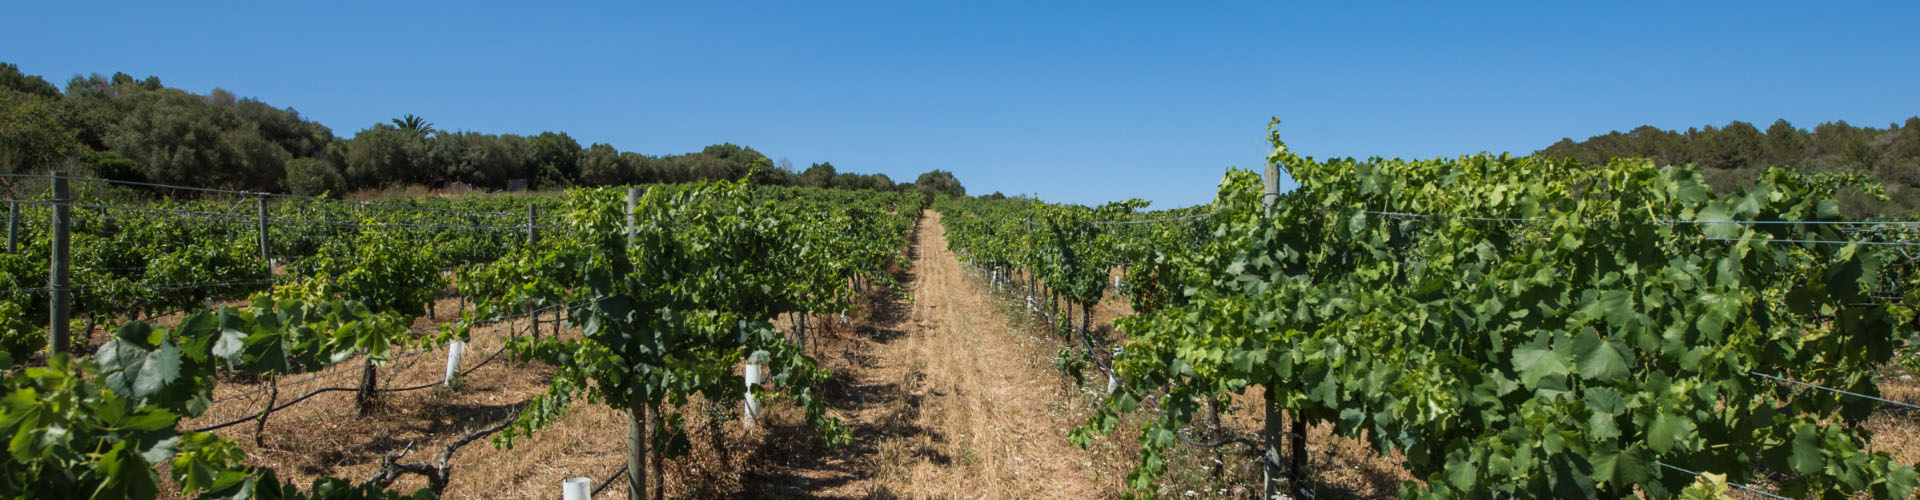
<point>110,165</point>
<point>312,177</point>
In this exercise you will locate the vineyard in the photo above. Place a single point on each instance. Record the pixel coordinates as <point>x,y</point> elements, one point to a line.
<point>1501,327</point>
<point>180,328</point>
<point>1477,327</point>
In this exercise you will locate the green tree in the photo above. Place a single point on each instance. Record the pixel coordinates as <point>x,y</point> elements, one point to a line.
<point>313,177</point>
<point>721,162</point>
<point>820,175</point>
<point>1736,146</point>
<point>179,139</point>
<point>1845,147</point>
<point>603,166</point>
<point>554,159</point>
<point>260,164</point>
<point>12,79</point>
<point>478,159</point>
<point>1909,144</point>
<point>32,135</point>
<point>414,124</point>
<point>1733,154</point>
<point>641,169</point>
<point>299,137</point>
<point>762,172</point>
<point>850,180</point>
<point>383,155</point>
<point>939,182</point>
<point>1785,144</point>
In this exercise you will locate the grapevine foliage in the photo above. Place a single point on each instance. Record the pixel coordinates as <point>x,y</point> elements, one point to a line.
<point>691,304</point>
<point>1527,327</point>
<point>100,427</point>
<point>670,306</point>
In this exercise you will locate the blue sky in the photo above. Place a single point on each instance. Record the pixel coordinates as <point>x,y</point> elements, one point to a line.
<point>1074,101</point>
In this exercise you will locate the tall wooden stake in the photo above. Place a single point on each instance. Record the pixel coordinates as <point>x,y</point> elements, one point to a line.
<point>1274,420</point>
<point>260,208</point>
<point>57,282</point>
<point>533,233</point>
<point>637,450</point>
<point>638,443</point>
<point>13,227</point>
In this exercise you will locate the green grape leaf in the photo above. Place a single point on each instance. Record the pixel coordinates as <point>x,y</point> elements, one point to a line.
<point>1667,431</point>
<point>1536,362</point>
<point>135,369</point>
<point>1598,359</point>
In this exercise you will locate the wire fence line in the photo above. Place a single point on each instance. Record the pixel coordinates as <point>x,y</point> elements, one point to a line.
<point>243,217</point>
<point>258,194</point>
<point>496,354</point>
<point>1897,404</point>
<point>163,287</point>
<point>1738,486</point>
<point>471,227</point>
<point>1671,222</point>
<point>337,370</point>
<point>388,390</point>
<point>1819,242</point>
<point>317,221</point>
<point>1882,226</point>
<point>168,211</point>
<point>174,287</point>
<point>1878,226</point>
<point>1152,221</point>
<point>286,196</point>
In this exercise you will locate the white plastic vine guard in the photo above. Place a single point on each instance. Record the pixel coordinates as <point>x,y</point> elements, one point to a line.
<point>576,488</point>
<point>752,407</point>
<point>455,350</point>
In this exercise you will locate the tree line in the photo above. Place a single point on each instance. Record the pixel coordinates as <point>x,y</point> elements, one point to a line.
<point>124,128</point>
<point>1736,154</point>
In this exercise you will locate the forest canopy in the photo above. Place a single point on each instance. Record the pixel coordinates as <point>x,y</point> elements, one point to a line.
<point>124,128</point>
<point>1736,154</point>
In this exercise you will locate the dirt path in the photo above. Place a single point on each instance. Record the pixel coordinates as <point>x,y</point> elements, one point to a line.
<point>946,400</point>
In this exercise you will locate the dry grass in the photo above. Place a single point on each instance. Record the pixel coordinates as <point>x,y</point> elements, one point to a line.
<point>325,435</point>
<point>1897,433</point>
<point>1339,467</point>
<point>946,399</point>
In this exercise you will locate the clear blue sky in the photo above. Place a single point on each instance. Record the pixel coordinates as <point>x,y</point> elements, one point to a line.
<point>1075,101</point>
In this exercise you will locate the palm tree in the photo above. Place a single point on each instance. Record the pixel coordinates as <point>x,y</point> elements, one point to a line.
<point>414,124</point>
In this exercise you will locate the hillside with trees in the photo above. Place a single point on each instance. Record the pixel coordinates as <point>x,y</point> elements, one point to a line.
<point>124,128</point>
<point>1736,154</point>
